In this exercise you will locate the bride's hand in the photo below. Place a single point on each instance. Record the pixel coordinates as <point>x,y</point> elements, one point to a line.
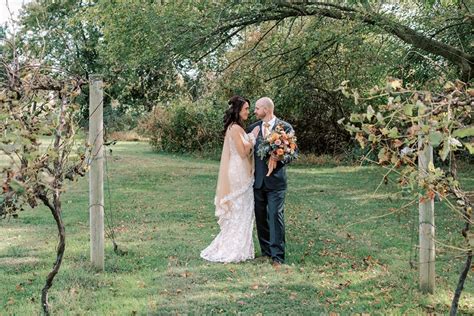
<point>255,131</point>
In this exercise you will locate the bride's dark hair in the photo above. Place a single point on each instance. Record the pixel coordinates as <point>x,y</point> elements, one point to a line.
<point>232,116</point>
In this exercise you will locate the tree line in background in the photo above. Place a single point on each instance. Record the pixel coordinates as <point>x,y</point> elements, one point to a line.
<point>301,50</point>
<point>172,65</point>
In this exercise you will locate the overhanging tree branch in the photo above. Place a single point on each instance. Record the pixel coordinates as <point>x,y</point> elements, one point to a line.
<point>283,10</point>
<point>405,33</point>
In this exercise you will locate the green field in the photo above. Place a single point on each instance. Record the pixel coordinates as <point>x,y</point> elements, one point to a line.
<point>161,207</point>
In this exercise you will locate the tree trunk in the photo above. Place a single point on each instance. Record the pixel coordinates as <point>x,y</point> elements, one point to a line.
<point>55,209</point>
<point>467,266</point>
<point>460,287</point>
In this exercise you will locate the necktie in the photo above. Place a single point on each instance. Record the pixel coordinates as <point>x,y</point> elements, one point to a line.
<point>266,129</point>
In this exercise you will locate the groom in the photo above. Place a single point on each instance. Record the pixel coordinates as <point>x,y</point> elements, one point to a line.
<point>269,191</point>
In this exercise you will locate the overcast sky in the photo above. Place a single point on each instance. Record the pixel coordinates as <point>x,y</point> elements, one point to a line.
<point>14,5</point>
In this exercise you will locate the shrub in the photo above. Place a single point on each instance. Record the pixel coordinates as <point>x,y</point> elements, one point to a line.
<point>314,115</point>
<point>183,126</point>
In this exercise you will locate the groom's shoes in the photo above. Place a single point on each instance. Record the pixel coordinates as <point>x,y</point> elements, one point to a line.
<point>276,264</point>
<point>263,258</point>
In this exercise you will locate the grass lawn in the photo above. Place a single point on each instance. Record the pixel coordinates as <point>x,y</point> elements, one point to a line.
<point>161,206</point>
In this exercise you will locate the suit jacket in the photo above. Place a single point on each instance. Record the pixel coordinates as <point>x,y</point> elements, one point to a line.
<point>278,178</point>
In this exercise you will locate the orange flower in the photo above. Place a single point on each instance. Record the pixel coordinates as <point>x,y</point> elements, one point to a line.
<point>280,151</point>
<point>292,145</point>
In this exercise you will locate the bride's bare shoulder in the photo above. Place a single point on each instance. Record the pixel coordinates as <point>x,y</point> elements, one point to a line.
<point>235,128</point>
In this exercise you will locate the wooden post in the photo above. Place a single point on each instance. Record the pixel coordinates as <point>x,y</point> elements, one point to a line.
<point>96,176</point>
<point>426,223</point>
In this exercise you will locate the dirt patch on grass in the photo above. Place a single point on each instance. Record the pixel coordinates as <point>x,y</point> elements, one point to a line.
<point>127,136</point>
<point>14,261</point>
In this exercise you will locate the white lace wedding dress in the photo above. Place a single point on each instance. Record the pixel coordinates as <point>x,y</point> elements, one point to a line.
<point>234,242</point>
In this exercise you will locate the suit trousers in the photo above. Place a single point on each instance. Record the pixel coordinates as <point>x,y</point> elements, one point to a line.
<point>270,221</point>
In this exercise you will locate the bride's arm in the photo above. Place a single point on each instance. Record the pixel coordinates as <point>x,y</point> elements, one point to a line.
<point>244,147</point>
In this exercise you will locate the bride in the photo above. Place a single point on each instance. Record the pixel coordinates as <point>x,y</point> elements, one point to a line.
<point>234,194</point>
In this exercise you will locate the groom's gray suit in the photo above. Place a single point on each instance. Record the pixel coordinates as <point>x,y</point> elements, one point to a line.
<point>269,194</point>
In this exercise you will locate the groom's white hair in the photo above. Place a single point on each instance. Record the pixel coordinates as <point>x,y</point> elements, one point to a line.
<point>266,102</point>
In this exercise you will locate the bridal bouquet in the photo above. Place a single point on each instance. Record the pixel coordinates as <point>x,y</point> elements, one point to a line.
<point>278,145</point>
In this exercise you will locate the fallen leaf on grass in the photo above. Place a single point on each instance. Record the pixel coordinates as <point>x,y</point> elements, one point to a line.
<point>344,285</point>
<point>186,274</point>
<point>293,296</point>
<point>324,253</point>
<point>370,261</point>
<point>429,308</point>
<point>254,287</point>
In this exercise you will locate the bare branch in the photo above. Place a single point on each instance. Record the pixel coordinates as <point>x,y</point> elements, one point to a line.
<point>254,47</point>
<point>445,28</point>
